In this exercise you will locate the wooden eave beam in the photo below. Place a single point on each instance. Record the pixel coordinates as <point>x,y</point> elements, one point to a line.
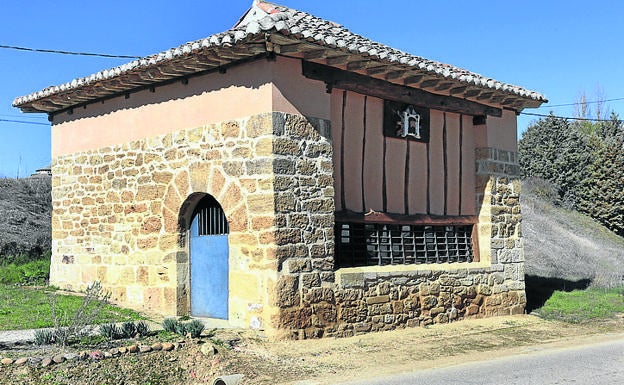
<point>457,90</point>
<point>471,93</point>
<point>396,74</point>
<point>444,86</point>
<point>315,54</point>
<point>485,95</point>
<point>429,83</point>
<point>287,48</point>
<point>376,70</point>
<point>413,79</point>
<point>366,85</point>
<point>337,60</point>
<point>357,65</point>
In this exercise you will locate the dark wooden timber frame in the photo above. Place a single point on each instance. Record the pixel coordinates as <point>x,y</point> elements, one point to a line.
<point>334,77</point>
<point>399,219</point>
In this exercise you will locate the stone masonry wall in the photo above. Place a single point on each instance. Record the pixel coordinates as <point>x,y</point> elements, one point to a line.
<point>360,300</point>
<point>304,206</point>
<point>117,216</point>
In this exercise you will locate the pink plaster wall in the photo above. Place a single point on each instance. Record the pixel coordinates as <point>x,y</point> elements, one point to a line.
<point>500,132</point>
<point>242,91</point>
<point>370,162</point>
<point>294,93</point>
<point>245,90</point>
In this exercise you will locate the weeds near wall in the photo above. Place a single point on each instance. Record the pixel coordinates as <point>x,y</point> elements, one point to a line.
<point>193,328</point>
<point>79,321</point>
<point>126,330</point>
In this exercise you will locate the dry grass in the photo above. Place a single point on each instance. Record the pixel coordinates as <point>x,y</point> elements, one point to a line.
<point>562,243</point>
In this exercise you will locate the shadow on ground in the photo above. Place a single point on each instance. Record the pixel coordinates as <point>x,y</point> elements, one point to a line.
<point>539,289</point>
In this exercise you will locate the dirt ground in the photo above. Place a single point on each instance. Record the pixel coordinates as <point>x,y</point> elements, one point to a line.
<point>313,362</point>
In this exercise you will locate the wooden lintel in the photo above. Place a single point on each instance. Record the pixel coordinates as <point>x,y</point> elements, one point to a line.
<point>315,54</point>
<point>385,90</point>
<point>399,219</point>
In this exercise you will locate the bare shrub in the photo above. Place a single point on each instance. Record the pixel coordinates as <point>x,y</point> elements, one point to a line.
<point>69,325</point>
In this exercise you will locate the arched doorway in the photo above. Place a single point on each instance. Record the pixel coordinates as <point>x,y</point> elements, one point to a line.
<point>209,266</point>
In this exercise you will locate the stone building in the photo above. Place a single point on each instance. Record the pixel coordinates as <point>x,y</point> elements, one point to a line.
<point>291,176</point>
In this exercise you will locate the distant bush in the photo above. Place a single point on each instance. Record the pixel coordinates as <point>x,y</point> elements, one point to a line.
<point>584,163</point>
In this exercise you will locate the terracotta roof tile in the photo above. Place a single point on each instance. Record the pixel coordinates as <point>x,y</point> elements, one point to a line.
<point>264,17</point>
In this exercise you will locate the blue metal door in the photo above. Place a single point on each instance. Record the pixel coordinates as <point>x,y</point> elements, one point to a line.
<point>209,262</point>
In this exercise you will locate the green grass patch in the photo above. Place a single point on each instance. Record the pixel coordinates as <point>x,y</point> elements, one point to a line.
<point>30,273</point>
<point>583,305</point>
<point>29,308</point>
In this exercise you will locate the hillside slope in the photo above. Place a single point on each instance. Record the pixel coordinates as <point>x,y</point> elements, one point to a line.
<point>564,244</point>
<point>25,211</point>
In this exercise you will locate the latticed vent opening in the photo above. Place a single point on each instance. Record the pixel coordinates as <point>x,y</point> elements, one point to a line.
<point>212,221</point>
<point>374,244</point>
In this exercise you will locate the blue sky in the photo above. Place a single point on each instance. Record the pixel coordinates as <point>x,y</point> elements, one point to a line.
<point>557,48</point>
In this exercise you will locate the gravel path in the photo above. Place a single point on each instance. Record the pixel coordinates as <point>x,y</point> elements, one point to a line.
<point>13,337</point>
<point>10,338</point>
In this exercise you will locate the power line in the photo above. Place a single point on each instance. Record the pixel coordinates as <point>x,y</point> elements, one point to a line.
<point>23,122</point>
<point>23,117</point>
<point>577,103</point>
<point>566,117</point>
<point>68,52</point>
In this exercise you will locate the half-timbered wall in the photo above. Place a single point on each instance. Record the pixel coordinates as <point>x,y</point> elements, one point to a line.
<point>400,176</point>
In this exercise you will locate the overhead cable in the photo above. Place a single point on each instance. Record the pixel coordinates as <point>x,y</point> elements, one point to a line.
<point>23,122</point>
<point>566,117</point>
<point>69,52</point>
<point>581,103</point>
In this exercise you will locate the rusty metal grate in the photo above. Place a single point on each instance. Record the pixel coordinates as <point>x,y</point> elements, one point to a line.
<point>374,244</point>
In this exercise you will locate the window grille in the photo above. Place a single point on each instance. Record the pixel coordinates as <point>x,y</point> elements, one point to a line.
<point>212,221</point>
<point>375,244</point>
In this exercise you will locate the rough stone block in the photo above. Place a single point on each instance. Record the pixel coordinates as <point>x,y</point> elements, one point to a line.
<point>309,280</point>
<point>288,291</point>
